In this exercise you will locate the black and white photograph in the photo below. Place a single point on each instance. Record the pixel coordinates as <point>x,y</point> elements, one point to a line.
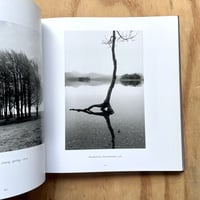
<point>104,90</point>
<point>20,87</point>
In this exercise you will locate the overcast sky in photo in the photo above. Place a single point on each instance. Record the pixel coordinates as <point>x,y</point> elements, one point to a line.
<point>20,39</point>
<point>85,53</point>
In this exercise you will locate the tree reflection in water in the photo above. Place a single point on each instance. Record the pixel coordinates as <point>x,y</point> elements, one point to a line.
<point>104,113</point>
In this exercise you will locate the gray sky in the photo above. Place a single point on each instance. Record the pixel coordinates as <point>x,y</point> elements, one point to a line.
<point>84,52</point>
<point>19,38</point>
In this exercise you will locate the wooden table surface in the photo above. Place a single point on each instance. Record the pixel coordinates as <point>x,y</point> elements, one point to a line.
<point>139,186</point>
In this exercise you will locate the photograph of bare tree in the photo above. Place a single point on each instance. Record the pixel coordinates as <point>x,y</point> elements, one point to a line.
<point>20,88</point>
<point>104,90</point>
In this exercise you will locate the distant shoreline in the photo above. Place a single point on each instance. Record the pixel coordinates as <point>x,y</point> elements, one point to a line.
<point>76,79</point>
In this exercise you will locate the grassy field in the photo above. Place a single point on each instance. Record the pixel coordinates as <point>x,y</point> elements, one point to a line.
<point>20,135</point>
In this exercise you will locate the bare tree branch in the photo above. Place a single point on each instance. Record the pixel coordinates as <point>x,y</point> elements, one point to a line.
<point>126,36</point>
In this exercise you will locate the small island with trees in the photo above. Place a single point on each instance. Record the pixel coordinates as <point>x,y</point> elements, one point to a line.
<point>131,79</point>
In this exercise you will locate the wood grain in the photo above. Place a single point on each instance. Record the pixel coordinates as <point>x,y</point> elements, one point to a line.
<point>139,186</point>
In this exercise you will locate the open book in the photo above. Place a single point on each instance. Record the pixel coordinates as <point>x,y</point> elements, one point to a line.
<point>86,95</point>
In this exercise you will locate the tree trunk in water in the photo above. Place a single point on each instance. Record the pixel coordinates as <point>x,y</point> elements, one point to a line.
<point>105,106</point>
<point>112,84</point>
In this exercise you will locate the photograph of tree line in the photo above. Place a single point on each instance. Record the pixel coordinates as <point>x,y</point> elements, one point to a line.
<point>20,98</point>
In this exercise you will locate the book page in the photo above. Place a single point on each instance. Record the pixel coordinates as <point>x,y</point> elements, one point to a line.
<point>112,94</point>
<point>21,142</point>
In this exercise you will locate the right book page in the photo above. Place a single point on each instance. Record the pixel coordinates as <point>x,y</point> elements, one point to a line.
<point>113,97</point>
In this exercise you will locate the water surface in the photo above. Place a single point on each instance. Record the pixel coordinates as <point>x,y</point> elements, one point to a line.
<point>84,131</point>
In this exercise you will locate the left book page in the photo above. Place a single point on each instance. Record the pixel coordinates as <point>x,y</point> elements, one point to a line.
<point>21,105</point>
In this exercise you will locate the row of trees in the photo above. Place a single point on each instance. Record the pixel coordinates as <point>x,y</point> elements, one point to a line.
<point>20,87</point>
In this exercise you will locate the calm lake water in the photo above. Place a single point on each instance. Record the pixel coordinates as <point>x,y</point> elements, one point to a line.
<point>84,131</point>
